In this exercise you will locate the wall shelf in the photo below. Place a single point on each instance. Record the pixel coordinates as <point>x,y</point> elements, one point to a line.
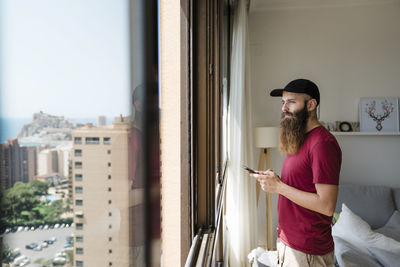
<point>364,133</point>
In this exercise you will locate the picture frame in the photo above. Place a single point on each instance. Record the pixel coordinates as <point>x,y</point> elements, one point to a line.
<point>379,114</point>
<point>347,126</point>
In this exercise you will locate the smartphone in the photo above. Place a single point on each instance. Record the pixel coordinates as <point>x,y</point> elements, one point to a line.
<point>248,169</point>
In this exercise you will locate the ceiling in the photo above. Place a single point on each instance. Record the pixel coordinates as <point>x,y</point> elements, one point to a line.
<point>264,5</point>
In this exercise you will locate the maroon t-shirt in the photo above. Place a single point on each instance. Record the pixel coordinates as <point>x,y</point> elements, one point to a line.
<point>317,162</point>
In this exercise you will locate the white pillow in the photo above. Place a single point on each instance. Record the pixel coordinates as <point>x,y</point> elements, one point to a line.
<point>392,227</point>
<point>356,231</point>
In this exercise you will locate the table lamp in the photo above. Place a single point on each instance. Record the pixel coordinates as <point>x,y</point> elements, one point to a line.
<point>266,138</point>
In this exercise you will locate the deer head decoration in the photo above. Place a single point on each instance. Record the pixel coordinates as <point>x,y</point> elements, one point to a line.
<point>387,108</point>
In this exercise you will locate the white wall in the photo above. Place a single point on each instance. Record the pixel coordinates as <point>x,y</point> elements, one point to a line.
<point>350,51</point>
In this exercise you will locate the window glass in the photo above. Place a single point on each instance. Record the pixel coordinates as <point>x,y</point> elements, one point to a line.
<point>92,140</point>
<point>77,111</point>
<point>78,177</point>
<point>78,152</point>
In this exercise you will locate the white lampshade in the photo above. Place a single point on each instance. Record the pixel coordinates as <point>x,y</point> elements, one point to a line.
<point>266,137</point>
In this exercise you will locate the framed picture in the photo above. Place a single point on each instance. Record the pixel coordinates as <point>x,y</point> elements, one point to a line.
<point>379,114</point>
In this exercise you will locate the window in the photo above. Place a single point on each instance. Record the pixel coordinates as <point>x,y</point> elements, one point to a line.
<point>107,140</point>
<point>78,177</point>
<point>92,140</point>
<point>110,214</point>
<point>110,251</point>
<point>78,165</point>
<point>110,239</point>
<point>109,226</point>
<point>109,202</point>
<point>110,264</point>
<point>109,164</point>
<point>83,133</point>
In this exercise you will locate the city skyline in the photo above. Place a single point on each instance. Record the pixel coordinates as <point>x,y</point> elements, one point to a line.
<point>10,127</point>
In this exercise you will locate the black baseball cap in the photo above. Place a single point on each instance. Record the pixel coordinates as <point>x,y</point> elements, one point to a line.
<point>299,86</point>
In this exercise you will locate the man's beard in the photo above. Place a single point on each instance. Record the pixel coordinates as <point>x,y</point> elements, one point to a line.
<point>293,131</point>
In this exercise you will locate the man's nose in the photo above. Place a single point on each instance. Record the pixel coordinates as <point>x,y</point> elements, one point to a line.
<point>284,108</point>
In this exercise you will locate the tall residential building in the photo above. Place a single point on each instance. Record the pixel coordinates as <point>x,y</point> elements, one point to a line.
<point>28,163</point>
<point>17,164</point>
<point>101,195</point>
<point>48,161</point>
<point>101,120</point>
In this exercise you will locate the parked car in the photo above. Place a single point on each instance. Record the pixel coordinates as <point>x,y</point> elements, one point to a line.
<point>49,242</point>
<point>20,228</point>
<point>53,239</point>
<point>45,227</point>
<point>60,255</point>
<point>7,230</point>
<point>31,246</point>
<point>15,253</point>
<point>44,244</point>
<point>17,261</point>
<point>26,228</point>
<point>56,226</point>
<point>38,248</point>
<point>25,262</point>
<point>41,227</point>
<point>59,261</point>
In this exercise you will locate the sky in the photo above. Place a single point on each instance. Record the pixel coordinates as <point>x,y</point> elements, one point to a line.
<point>64,57</point>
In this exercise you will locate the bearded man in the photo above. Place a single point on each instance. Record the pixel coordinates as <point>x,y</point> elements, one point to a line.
<point>308,187</point>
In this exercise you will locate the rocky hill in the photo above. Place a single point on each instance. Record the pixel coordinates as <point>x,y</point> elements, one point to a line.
<point>49,127</point>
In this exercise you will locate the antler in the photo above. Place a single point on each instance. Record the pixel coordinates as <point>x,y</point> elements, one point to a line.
<point>387,108</point>
<point>370,109</point>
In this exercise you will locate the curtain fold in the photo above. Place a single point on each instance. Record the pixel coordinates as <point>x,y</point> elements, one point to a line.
<point>241,215</point>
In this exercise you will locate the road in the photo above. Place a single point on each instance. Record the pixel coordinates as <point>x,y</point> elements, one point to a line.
<point>21,239</point>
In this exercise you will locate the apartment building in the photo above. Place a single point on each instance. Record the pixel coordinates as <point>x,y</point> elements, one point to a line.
<point>101,195</point>
<point>17,164</point>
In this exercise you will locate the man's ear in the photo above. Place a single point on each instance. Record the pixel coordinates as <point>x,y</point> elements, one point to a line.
<point>312,104</point>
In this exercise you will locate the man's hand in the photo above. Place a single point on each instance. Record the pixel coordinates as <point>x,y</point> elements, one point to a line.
<point>269,181</point>
<point>323,201</point>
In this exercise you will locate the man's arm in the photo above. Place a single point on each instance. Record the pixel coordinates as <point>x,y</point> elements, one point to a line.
<point>323,201</point>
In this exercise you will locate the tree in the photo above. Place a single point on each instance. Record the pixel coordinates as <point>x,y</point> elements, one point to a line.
<point>16,200</point>
<point>5,253</point>
<point>39,188</point>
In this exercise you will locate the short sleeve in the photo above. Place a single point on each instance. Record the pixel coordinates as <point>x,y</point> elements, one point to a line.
<point>326,160</point>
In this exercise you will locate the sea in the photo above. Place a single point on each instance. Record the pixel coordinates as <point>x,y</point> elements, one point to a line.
<point>9,127</point>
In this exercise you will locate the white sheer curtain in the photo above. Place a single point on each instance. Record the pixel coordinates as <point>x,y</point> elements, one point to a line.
<point>241,216</point>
